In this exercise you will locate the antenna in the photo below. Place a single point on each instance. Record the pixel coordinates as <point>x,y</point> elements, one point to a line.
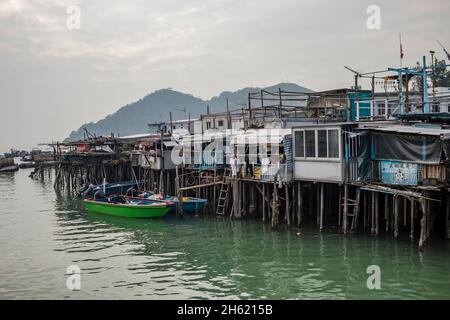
<point>184,110</point>
<point>355,72</point>
<point>443,48</point>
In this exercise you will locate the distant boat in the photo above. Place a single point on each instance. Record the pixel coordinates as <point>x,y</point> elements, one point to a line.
<point>109,188</point>
<point>129,207</point>
<point>189,204</point>
<point>10,168</point>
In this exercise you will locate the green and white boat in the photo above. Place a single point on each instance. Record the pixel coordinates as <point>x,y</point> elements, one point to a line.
<point>129,207</point>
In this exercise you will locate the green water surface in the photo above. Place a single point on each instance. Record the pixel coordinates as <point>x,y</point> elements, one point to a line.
<point>42,232</point>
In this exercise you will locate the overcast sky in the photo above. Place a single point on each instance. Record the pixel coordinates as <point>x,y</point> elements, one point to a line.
<point>53,79</point>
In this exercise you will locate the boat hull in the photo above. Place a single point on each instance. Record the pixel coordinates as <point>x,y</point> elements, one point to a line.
<point>126,210</point>
<point>10,169</point>
<point>192,205</point>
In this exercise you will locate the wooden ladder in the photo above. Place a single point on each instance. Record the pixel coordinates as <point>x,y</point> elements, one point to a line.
<point>223,194</point>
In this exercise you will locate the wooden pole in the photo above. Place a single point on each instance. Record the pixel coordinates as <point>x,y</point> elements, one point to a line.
<point>322,197</point>
<point>299,203</point>
<point>377,230</point>
<point>263,202</point>
<point>386,211</point>
<point>344,218</point>
<point>356,210</point>
<point>275,207</point>
<point>447,214</point>
<point>287,211</point>
<point>413,208</point>
<point>396,205</point>
<point>405,208</point>
<point>423,225</point>
<point>340,206</point>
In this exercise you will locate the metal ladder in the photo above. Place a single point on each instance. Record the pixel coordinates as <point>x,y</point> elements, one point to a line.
<point>223,194</point>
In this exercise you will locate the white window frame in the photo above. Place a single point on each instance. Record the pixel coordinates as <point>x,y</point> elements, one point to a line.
<point>317,158</point>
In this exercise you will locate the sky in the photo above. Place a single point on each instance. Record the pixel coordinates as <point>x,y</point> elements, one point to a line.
<point>54,77</point>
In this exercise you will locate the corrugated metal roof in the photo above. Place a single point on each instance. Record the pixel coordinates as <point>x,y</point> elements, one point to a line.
<point>445,133</point>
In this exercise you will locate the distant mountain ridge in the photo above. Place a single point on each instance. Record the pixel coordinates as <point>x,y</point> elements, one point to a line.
<point>133,118</point>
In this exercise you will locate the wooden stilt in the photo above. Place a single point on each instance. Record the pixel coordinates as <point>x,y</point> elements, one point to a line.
<point>372,214</point>
<point>275,207</point>
<point>447,215</point>
<point>413,208</point>
<point>263,202</point>
<point>340,206</point>
<point>405,208</point>
<point>386,211</point>
<point>396,205</point>
<point>423,225</point>
<point>322,206</point>
<point>287,211</point>
<point>377,230</point>
<point>344,218</point>
<point>300,204</point>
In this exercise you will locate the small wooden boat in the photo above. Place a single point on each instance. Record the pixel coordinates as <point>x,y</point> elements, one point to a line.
<point>189,204</point>
<point>129,207</point>
<point>10,168</point>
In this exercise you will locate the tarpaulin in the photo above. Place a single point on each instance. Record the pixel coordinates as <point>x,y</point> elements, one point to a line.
<point>411,148</point>
<point>364,157</point>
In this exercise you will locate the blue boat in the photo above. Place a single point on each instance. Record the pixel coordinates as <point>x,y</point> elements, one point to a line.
<point>109,188</point>
<point>190,205</point>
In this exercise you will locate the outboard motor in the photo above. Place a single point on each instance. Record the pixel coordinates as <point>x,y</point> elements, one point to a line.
<point>99,194</point>
<point>131,192</point>
<point>88,190</point>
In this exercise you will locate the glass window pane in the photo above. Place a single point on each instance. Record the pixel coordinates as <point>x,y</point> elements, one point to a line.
<point>310,143</point>
<point>322,143</point>
<point>333,144</point>
<point>299,144</point>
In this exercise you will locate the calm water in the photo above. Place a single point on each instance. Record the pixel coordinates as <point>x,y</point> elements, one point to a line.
<point>43,232</point>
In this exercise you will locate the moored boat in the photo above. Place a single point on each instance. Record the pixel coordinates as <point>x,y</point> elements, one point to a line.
<point>189,204</point>
<point>10,168</point>
<point>129,207</point>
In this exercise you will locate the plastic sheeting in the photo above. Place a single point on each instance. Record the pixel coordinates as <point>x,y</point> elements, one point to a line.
<point>410,148</point>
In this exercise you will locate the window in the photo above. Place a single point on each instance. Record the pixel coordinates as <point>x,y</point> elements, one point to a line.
<point>208,125</point>
<point>317,143</point>
<point>220,123</point>
<point>310,143</point>
<point>333,143</point>
<point>299,140</point>
<point>322,143</point>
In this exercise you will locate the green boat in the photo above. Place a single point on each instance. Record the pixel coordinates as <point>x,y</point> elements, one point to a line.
<point>129,207</point>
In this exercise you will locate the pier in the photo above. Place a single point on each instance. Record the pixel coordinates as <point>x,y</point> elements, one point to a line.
<point>346,159</point>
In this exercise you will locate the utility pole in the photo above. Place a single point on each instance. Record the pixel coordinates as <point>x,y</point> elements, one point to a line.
<point>357,74</point>
<point>433,69</point>
<point>426,102</point>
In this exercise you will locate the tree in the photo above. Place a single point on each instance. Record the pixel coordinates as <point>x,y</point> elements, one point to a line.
<point>440,76</point>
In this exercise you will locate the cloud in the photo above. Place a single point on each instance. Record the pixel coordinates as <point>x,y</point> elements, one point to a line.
<point>126,49</point>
